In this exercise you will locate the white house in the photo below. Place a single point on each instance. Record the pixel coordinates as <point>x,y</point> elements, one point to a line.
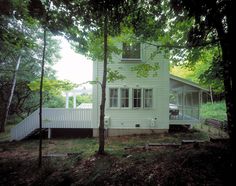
<point>142,105</point>
<point>133,105</point>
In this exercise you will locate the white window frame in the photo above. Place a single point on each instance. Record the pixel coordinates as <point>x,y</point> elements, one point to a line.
<point>111,98</point>
<point>124,98</point>
<point>132,59</point>
<point>141,95</point>
<point>147,98</point>
<point>131,98</point>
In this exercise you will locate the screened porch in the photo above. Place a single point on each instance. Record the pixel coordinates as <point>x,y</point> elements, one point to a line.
<point>185,101</point>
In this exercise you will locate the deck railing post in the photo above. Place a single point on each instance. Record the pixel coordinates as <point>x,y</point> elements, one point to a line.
<point>49,133</point>
<point>67,100</point>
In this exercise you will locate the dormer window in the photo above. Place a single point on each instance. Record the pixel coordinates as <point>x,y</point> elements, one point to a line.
<point>131,51</point>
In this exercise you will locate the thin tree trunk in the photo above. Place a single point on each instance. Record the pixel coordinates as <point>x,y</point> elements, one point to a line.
<point>229,87</point>
<point>41,98</point>
<point>103,99</point>
<point>2,127</point>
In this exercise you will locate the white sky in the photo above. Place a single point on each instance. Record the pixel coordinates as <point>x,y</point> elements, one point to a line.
<point>73,66</point>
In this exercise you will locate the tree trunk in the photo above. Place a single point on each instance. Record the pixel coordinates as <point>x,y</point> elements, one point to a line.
<point>41,98</point>
<point>229,85</point>
<point>2,127</point>
<point>103,98</point>
<point>226,43</point>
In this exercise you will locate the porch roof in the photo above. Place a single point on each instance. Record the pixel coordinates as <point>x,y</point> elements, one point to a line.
<point>187,82</point>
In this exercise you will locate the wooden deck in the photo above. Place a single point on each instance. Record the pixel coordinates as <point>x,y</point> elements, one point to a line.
<point>53,118</point>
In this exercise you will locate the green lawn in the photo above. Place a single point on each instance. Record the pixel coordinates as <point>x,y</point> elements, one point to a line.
<point>114,145</point>
<point>217,110</point>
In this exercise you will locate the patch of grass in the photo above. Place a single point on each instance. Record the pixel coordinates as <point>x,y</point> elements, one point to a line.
<point>211,131</point>
<point>87,146</point>
<point>113,145</point>
<point>216,110</point>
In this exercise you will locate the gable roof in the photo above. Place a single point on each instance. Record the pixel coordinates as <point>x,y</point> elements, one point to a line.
<point>187,82</point>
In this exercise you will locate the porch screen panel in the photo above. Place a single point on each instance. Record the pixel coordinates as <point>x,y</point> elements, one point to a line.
<point>137,94</point>
<point>113,97</point>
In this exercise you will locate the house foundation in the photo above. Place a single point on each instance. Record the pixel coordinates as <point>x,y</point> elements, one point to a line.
<point>125,132</point>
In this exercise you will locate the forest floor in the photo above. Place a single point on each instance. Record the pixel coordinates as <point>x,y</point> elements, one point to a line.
<point>130,160</point>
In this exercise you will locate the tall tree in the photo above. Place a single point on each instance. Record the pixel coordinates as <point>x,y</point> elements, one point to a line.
<point>12,39</point>
<point>41,96</point>
<point>96,18</point>
<point>213,24</point>
<point>27,44</point>
<point>9,100</point>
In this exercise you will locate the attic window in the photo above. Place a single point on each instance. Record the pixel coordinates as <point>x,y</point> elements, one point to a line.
<point>131,51</point>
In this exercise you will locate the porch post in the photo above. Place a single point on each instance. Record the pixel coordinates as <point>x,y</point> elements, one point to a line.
<point>67,100</point>
<point>183,98</point>
<point>49,133</point>
<point>200,103</point>
<point>74,100</point>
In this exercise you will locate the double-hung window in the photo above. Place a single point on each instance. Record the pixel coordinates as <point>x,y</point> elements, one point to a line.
<point>113,92</point>
<point>147,98</point>
<point>124,97</point>
<point>131,51</point>
<point>137,98</point>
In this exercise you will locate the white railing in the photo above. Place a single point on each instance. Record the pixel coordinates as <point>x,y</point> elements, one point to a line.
<point>53,118</point>
<point>25,127</point>
<point>67,118</point>
<point>186,113</point>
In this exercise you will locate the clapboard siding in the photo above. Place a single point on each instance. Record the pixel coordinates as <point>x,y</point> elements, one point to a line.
<point>127,118</point>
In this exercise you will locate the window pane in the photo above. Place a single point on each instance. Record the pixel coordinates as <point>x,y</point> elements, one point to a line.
<point>137,98</point>
<point>131,50</point>
<point>147,98</point>
<point>113,97</point>
<point>124,97</point>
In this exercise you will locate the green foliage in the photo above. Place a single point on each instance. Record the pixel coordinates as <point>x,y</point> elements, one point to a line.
<point>212,29</point>
<point>84,98</point>
<point>21,36</point>
<point>53,86</point>
<point>54,101</point>
<point>113,75</point>
<point>95,47</point>
<point>216,110</point>
<point>145,69</point>
<point>204,71</point>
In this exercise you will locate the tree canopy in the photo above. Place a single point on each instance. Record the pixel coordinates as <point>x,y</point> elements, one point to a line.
<point>195,33</point>
<point>21,37</point>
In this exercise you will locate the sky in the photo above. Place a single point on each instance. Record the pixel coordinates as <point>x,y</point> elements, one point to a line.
<point>73,66</point>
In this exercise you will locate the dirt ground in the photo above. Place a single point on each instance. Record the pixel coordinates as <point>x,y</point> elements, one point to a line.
<point>192,164</point>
